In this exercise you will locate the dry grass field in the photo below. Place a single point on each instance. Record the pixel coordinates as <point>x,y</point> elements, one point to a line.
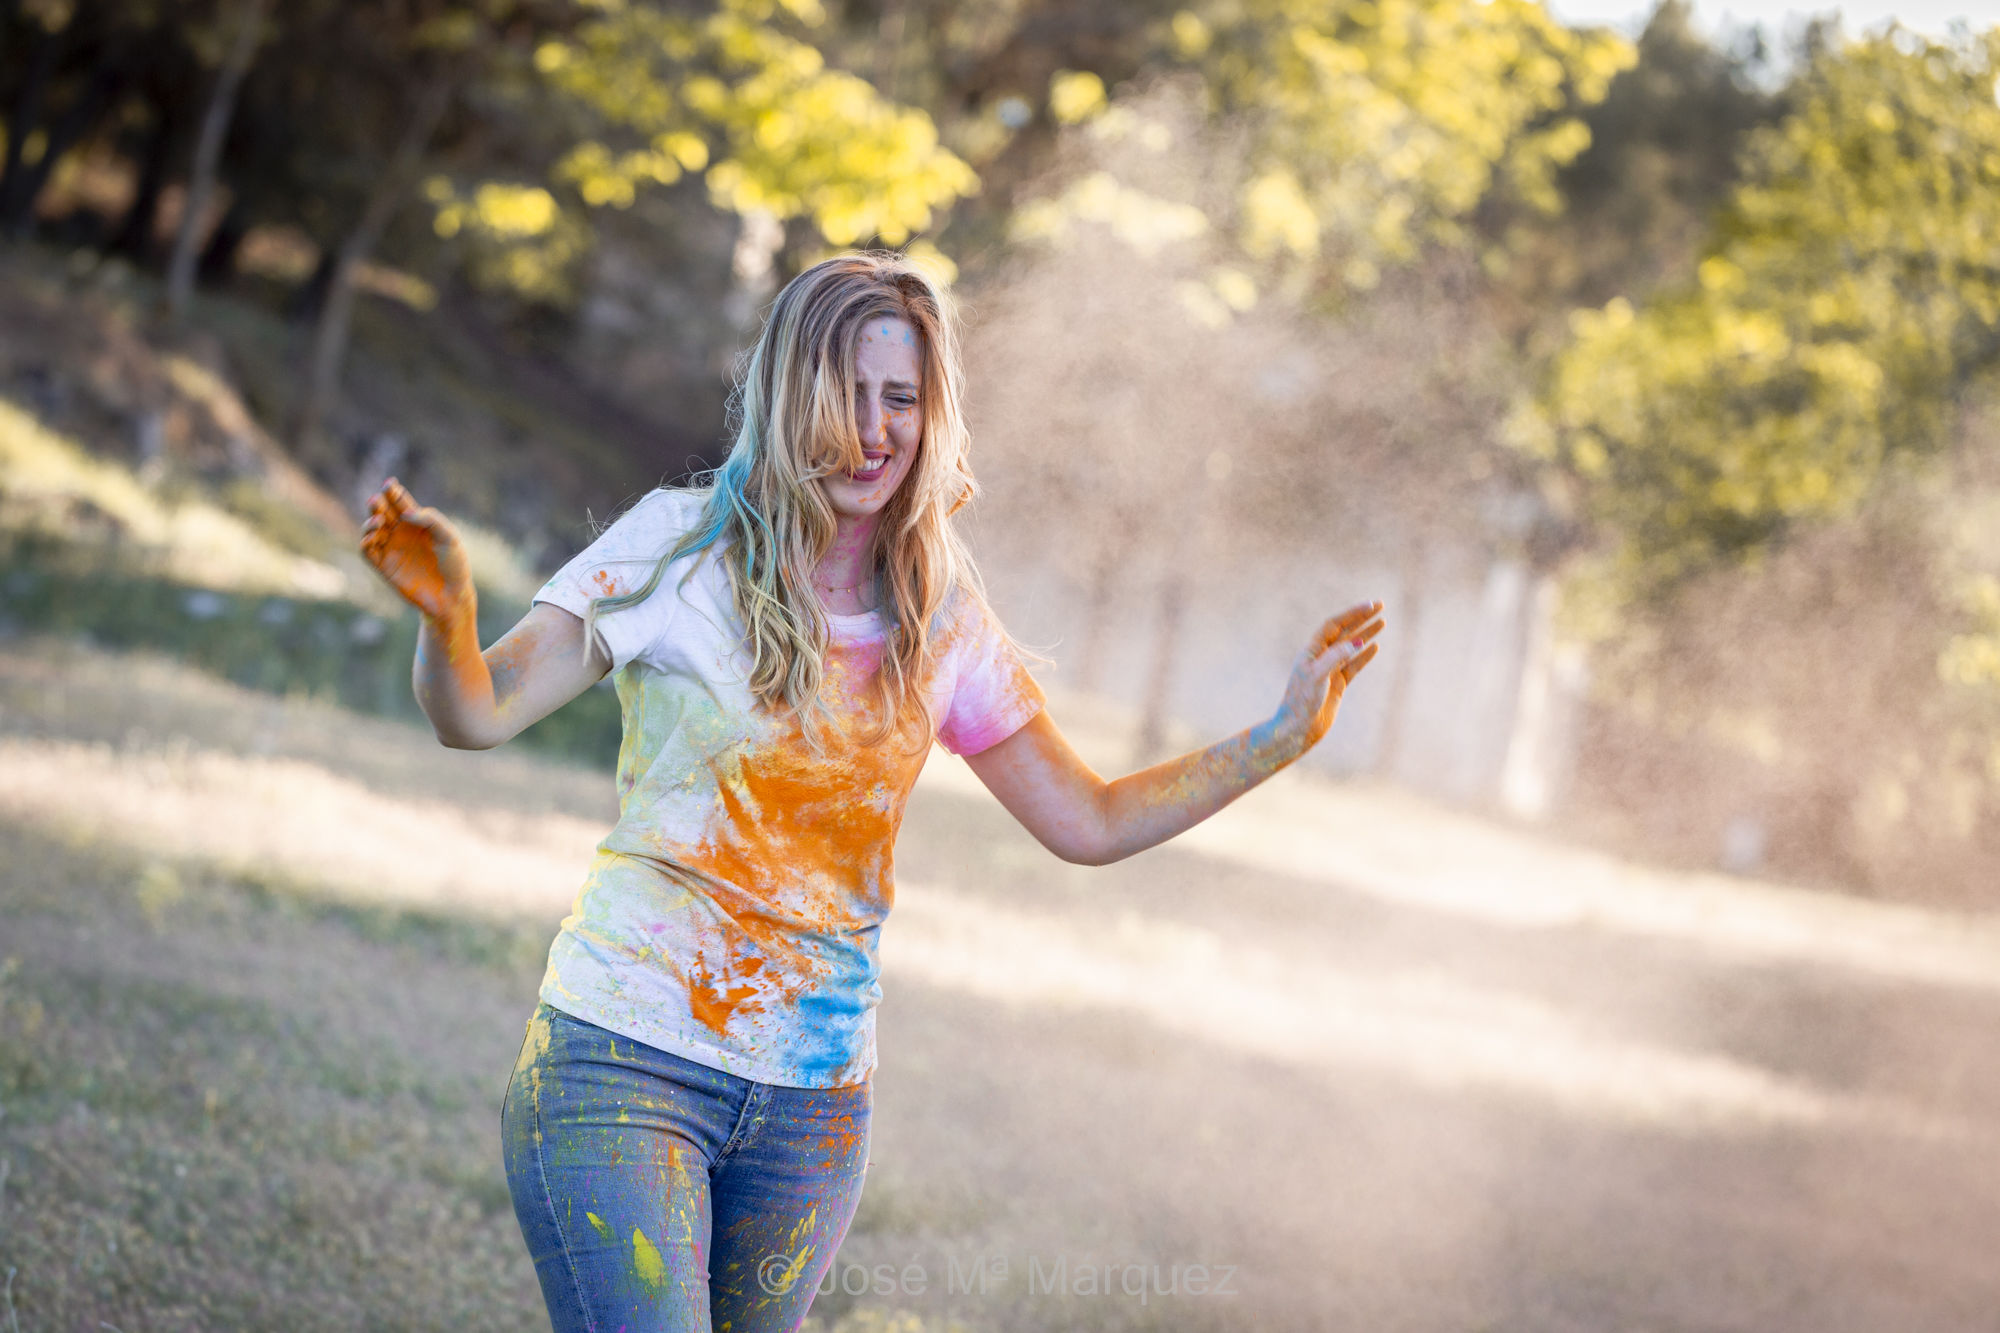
<point>1343,1059</point>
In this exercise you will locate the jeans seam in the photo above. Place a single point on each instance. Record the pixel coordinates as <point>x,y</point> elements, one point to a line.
<point>753,1100</point>
<point>555,1219</point>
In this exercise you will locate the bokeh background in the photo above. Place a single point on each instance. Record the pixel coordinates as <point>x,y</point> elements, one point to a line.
<point>1626,959</point>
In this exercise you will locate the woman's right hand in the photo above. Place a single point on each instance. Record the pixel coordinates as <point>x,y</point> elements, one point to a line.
<point>1319,680</point>
<point>418,552</point>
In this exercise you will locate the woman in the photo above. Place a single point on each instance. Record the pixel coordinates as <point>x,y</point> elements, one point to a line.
<point>687,1126</point>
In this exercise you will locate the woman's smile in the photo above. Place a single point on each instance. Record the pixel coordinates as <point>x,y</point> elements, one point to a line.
<point>888,418</point>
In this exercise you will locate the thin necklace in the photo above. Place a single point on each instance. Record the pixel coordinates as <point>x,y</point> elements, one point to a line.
<point>842,587</point>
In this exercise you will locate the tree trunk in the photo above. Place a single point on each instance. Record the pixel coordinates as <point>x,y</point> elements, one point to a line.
<point>305,304</point>
<point>329,343</point>
<point>26,113</point>
<point>1402,658</point>
<point>1152,742</point>
<point>9,11</point>
<point>889,46</point>
<point>23,183</point>
<point>1096,640</point>
<point>208,155</point>
<point>134,234</point>
<point>218,257</point>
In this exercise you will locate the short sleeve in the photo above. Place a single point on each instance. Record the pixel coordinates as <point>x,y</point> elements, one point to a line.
<point>993,696</point>
<point>620,560</point>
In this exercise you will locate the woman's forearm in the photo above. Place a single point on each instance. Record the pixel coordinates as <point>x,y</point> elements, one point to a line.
<point>451,679</point>
<point>1080,817</point>
<point>1146,808</point>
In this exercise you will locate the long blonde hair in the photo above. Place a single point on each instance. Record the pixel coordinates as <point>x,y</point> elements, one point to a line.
<point>766,516</point>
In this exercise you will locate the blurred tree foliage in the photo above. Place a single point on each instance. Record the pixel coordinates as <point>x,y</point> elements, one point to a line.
<point>1381,125</point>
<point>1734,310</point>
<point>1640,201</point>
<point>1785,452</point>
<point>1849,295</point>
<point>778,131</point>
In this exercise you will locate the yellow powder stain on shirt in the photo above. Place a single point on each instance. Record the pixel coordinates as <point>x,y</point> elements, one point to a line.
<point>602,1227</point>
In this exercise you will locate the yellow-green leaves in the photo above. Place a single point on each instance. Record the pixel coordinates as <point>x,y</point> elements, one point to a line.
<point>1191,35</point>
<point>732,94</point>
<point>1379,124</point>
<point>1973,658</point>
<point>1277,216</point>
<point>509,212</point>
<point>516,237</point>
<point>1141,220</point>
<point>1075,95</point>
<point>1851,290</point>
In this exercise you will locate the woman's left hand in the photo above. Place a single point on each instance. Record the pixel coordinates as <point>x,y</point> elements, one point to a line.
<point>1329,664</point>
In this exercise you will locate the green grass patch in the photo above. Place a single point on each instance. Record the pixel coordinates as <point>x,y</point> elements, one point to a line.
<point>209,1119</point>
<point>325,648</point>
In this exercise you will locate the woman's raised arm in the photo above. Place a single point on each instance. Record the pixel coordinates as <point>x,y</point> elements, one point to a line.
<point>1082,818</point>
<point>474,700</point>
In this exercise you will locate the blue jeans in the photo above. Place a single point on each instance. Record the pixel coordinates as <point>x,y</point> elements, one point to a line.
<point>658,1195</point>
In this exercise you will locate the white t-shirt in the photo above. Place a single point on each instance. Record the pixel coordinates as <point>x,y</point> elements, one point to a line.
<point>731,915</point>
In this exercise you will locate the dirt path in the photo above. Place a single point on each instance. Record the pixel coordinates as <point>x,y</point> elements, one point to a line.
<point>1361,1063</point>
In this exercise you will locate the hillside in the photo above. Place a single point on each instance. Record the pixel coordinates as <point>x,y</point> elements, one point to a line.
<point>145,498</point>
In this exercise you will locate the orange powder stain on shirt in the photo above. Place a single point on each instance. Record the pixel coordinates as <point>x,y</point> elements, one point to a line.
<point>713,1003</point>
<point>786,809</point>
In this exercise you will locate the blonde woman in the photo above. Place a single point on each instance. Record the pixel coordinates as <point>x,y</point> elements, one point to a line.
<point>686,1129</point>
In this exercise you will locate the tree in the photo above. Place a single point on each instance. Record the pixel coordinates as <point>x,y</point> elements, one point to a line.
<point>1379,127</point>
<point>208,153</point>
<point>91,53</point>
<point>755,108</point>
<point>1638,204</point>
<point>1848,295</point>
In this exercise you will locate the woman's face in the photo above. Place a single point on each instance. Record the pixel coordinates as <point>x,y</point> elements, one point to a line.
<point>888,388</point>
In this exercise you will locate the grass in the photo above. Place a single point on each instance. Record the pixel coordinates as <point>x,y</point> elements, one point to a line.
<point>332,648</point>
<point>199,1129</point>
<point>49,485</point>
<point>212,544</point>
<point>253,1082</point>
<point>237,1097</point>
<point>191,1145</point>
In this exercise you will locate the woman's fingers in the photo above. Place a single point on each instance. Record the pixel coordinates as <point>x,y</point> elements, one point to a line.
<point>1343,625</point>
<point>1347,654</point>
<point>1336,657</point>
<point>1349,641</point>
